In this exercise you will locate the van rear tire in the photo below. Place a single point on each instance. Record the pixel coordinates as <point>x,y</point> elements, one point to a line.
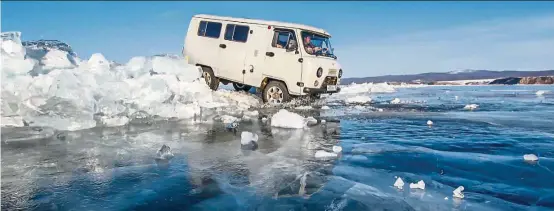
<point>241,87</point>
<point>276,92</point>
<point>209,77</point>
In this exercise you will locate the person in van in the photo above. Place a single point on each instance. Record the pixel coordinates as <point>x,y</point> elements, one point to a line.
<point>310,48</point>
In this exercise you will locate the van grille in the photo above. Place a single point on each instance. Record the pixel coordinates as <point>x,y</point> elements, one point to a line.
<point>329,80</point>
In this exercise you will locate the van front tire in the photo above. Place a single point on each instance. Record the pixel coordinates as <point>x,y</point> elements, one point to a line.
<point>275,92</point>
<point>209,77</point>
<point>241,87</point>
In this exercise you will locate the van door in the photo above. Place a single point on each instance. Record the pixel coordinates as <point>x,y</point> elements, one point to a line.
<point>282,61</point>
<point>255,56</point>
<point>232,52</point>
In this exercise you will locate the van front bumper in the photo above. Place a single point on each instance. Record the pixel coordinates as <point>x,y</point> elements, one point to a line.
<point>319,91</point>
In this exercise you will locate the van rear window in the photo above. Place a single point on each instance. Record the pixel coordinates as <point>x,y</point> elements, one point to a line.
<point>237,33</point>
<point>209,29</point>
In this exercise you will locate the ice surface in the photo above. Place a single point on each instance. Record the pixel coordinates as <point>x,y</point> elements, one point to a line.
<point>287,119</point>
<point>471,106</point>
<point>530,157</point>
<point>337,149</point>
<point>418,185</point>
<point>324,154</point>
<point>457,193</point>
<point>399,183</point>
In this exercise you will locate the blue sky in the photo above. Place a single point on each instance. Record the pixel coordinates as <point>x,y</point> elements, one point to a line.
<point>370,38</point>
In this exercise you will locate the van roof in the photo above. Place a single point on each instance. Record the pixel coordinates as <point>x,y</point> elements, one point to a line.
<point>263,22</point>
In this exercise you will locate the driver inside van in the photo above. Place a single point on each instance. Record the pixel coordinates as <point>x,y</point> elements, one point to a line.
<point>310,48</point>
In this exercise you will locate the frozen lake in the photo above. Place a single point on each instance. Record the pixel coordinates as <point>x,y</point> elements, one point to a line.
<point>115,168</point>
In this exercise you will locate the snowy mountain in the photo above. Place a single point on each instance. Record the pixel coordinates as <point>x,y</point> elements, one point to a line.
<point>449,76</point>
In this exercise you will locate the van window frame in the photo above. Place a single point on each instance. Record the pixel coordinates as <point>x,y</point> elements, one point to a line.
<point>276,37</point>
<point>206,29</point>
<point>234,30</point>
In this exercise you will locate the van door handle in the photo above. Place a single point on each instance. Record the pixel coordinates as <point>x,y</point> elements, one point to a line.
<point>222,45</point>
<point>270,54</point>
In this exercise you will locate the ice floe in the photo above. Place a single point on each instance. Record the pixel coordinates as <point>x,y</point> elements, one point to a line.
<point>418,185</point>
<point>530,157</point>
<point>458,192</point>
<point>399,183</point>
<point>287,119</point>
<point>324,154</point>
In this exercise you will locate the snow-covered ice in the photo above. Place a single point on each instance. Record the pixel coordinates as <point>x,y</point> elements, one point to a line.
<point>418,185</point>
<point>399,183</point>
<point>458,192</point>
<point>324,154</point>
<point>52,87</point>
<point>287,119</point>
<point>530,157</point>
<point>471,106</point>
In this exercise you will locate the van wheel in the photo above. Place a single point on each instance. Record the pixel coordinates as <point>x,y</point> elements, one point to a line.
<point>276,92</point>
<point>210,78</point>
<point>242,87</point>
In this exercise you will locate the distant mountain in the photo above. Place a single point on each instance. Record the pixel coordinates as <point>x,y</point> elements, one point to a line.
<point>449,76</point>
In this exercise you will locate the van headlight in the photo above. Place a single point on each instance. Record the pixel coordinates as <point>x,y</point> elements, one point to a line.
<point>340,73</point>
<point>319,72</point>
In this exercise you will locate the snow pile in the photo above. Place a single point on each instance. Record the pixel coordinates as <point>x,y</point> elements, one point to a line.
<point>287,119</point>
<point>93,92</point>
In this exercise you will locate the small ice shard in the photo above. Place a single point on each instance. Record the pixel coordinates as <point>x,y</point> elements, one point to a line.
<point>429,122</point>
<point>323,121</point>
<point>248,140</point>
<point>395,101</point>
<point>530,157</point>
<point>541,92</point>
<point>380,110</point>
<point>325,107</point>
<point>456,97</point>
<point>457,193</point>
<point>311,121</point>
<point>446,198</point>
<point>337,149</point>
<point>323,154</point>
<point>420,185</point>
<point>164,153</point>
<point>399,183</point>
<point>471,107</point>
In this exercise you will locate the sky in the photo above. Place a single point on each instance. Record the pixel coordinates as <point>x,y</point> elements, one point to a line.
<point>370,38</point>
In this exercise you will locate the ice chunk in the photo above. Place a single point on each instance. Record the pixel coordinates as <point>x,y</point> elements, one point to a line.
<point>13,121</point>
<point>324,154</point>
<point>457,193</point>
<point>360,99</point>
<point>323,121</point>
<point>325,107</point>
<point>429,122</point>
<point>530,157</point>
<point>359,107</point>
<point>164,153</point>
<point>114,121</point>
<point>98,63</point>
<point>471,107</point>
<point>399,183</point>
<point>337,149</point>
<point>395,101</point>
<point>541,92</point>
<point>286,119</point>
<point>303,108</point>
<point>311,121</point>
<point>418,185</point>
<point>456,97</point>
<point>226,119</point>
<point>446,198</point>
<point>56,59</point>
<point>248,140</point>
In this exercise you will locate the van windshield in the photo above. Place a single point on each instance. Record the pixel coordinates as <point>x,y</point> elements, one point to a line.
<point>316,44</point>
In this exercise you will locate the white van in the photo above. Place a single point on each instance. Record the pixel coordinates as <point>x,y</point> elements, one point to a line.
<point>282,60</point>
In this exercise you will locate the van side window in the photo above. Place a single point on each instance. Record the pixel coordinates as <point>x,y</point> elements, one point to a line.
<point>282,38</point>
<point>209,29</point>
<point>237,33</point>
